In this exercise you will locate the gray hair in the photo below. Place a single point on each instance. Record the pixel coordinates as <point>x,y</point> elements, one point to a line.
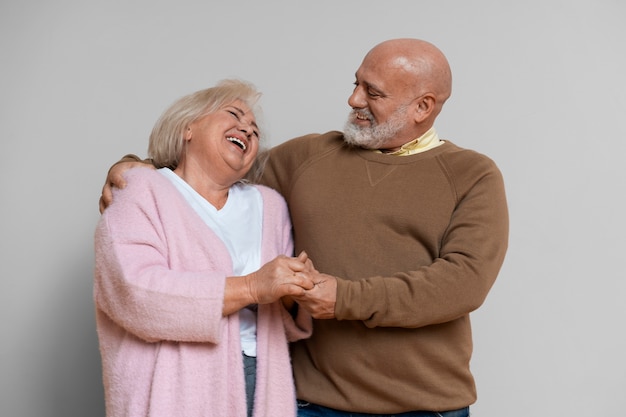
<point>166,140</point>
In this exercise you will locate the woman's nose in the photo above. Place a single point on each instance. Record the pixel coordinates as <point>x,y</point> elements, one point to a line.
<point>246,128</point>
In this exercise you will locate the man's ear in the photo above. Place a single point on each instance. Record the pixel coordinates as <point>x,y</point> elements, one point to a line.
<point>424,107</point>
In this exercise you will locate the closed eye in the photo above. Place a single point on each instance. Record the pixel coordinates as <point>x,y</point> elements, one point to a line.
<point>369,90</point>
<point>237,114</point>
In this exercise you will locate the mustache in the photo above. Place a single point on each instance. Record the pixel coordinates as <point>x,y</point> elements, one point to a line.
<point>363,113</point>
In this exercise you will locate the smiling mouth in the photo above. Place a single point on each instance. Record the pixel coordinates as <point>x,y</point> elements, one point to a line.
<point>237,142</point>
<point>361,117</point>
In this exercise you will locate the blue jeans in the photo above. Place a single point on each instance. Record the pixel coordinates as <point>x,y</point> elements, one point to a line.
<point>313,410</point>
<point>249,368</point>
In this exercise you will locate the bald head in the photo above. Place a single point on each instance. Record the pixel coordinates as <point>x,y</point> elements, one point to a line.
<point>400,89</point>
<point>422,66</point>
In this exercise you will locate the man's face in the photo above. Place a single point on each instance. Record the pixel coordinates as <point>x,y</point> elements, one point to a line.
<point>381,115</point>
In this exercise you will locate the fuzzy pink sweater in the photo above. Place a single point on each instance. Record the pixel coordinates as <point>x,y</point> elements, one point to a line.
<point>158,289</point>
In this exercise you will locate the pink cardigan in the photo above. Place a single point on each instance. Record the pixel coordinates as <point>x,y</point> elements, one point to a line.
<point>158,289</point>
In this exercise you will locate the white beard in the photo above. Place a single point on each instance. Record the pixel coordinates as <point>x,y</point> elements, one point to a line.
<point>376,135</point>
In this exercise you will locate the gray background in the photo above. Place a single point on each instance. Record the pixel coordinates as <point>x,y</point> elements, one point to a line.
<point>538,86</point>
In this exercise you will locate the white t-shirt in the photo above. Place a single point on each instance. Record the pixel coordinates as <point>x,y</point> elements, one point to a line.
<point>238,224</point>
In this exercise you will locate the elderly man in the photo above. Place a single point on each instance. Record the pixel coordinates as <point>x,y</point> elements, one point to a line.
<point>409,232</point>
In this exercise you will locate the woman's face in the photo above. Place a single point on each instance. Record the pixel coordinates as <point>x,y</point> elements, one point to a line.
<point>224,143</point>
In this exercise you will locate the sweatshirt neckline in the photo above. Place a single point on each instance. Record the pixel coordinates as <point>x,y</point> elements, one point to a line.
<point>371,155</point>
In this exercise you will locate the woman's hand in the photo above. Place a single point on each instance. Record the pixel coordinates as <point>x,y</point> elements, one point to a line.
<point>281,278</point>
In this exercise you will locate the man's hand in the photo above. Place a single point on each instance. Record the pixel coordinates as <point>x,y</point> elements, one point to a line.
<point>321,299</point>
<point>115,178</point>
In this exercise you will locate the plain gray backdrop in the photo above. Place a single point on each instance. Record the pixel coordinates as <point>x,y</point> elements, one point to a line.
<point>538,86</point>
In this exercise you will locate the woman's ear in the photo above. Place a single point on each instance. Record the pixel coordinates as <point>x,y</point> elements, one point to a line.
<point>187,135</point>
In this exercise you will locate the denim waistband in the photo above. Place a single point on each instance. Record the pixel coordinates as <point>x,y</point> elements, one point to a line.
<point>306,409</point>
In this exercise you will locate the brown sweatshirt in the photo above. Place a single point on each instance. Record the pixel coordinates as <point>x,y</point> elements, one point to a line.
<point>416,242</point>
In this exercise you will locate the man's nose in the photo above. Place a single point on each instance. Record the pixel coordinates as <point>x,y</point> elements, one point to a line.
<point>357,99</point>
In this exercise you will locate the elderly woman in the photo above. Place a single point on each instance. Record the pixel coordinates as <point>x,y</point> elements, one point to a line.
<point>194,272</point>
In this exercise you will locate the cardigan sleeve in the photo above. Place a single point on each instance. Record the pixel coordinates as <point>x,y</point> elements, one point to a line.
<point>157,276</point>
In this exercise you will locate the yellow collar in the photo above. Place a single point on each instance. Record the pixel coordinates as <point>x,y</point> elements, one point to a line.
<point>427,141</point>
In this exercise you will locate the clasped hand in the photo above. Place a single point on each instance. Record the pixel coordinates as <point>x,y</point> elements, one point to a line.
<point>281,277</point>
<point>295,279</point>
